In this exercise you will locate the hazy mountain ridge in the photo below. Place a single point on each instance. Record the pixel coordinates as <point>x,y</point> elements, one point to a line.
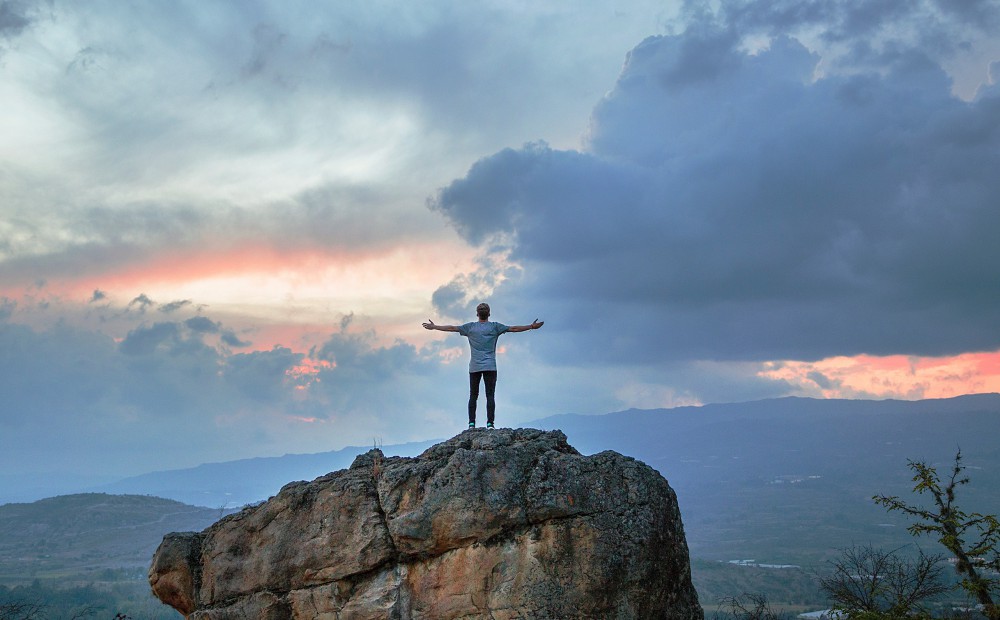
<point>790,480</point>
<point>79,536</point>
<point>780,481</point>
<point>786,480</point>
<point>232,484</point>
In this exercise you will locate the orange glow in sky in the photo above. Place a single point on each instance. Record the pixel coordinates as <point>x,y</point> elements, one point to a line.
<point>297,300</point>
<point>894,376</point>
<point>264,276</point>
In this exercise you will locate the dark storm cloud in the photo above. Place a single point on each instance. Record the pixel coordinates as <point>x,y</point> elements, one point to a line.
<point>261,375</point>
<point>729,206</point>
<point>174,306</point>
<point>142,302</point>
<point>845,19</point>
<point>459,297</point>
<point>145,340</point>
<point>203,325</point>
<point>13,18</point>
<point>367,378</point>
<point>357,355</point>
<point>230,339</point>
<point>450,299</point>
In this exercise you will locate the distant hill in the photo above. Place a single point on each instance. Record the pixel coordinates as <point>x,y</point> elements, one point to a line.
<point>84,537</point>
<point>782,481</point>
<point>790,480</point>
<point>233,484</point>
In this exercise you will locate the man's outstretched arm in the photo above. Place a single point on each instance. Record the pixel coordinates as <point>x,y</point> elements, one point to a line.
<point>441,328</point>
<point>523,328</point>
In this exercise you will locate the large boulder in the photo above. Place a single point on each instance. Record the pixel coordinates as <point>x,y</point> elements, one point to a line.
<point>490,524</point>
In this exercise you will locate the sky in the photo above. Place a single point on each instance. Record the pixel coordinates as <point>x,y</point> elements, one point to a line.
<point>223,223</point>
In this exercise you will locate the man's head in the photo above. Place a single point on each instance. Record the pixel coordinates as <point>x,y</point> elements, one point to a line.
<point>483,311</point>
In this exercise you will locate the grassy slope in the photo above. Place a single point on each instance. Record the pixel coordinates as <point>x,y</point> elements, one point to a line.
<point>83,537</point>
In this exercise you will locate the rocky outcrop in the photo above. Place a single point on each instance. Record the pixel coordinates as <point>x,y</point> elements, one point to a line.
<point>491,524</point>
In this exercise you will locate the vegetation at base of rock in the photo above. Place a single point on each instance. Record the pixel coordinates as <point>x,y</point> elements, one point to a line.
<point>869,583</point>
<point>973,538</point>
<point>49,602</point>
<point>872,582</point>
<point>748,606</point>
<point>793,589</point>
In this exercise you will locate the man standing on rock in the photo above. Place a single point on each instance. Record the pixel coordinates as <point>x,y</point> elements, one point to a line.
<point>483,335</point>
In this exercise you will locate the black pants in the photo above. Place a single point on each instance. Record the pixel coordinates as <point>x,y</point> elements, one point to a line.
<point>490,379</point>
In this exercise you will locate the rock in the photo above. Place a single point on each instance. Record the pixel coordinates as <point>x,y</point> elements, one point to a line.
<point>490,524</point>
<point>175,570</point>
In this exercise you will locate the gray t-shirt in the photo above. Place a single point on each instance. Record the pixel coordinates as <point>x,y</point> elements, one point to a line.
<point>483,342</point>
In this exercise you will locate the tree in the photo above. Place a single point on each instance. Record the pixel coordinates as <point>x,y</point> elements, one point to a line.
<point>973,538</point>
<point>867,582</point>
<point>21,610</point>
<point>747,606</point>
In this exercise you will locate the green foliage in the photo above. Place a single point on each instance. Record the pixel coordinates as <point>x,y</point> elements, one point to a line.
<point>786,588</point>
<point>40,601</point>
<point>973,538</point>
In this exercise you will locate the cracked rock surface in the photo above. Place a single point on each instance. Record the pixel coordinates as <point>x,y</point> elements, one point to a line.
<point>511,523</point>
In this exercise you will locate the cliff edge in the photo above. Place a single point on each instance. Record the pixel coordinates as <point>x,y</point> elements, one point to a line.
<point>490,524</point>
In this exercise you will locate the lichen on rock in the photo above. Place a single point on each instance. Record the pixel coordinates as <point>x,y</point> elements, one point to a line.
<point>511,523</point>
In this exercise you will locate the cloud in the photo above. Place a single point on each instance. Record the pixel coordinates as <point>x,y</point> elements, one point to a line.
<point>141,302</point>
<point>202,325</point>
<point>174,306</point>
<point>364,378</point>
<point>459,297</point>
<point>261,375</point>
<point>938,27</point>
<point>173,394</point>
<point>229,338</point>
<point>205,325</point>
<point>736,205</point>
<point>345,223</point>
<point>13,18</point>
<point>146,340</point>
<point>309,129</point>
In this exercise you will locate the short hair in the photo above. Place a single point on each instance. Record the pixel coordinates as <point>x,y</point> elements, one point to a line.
<point>483,310</point>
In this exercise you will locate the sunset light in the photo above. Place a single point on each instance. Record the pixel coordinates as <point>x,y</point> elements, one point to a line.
<point>223,227</point>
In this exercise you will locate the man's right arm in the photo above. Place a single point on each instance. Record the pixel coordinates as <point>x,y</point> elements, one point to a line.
<point>441,328</point>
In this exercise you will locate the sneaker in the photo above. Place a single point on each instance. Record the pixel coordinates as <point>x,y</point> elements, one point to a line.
<point>489,425</point>
<point>472,425</point>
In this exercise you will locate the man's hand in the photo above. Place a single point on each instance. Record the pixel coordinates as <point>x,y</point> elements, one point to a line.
<point>523,328</point>
<point>441,328</point>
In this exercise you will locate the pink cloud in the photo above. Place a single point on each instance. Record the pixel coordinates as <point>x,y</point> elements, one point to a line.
<point>893,376</point>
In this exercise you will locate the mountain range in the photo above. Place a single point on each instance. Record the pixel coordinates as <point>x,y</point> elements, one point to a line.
<point>781,481</point>
<point>790,481</point>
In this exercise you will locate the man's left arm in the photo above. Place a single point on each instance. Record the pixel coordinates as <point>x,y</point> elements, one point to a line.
<point>523,328</point>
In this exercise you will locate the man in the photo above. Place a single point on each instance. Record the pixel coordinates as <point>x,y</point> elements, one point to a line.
<point>483,335</point>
